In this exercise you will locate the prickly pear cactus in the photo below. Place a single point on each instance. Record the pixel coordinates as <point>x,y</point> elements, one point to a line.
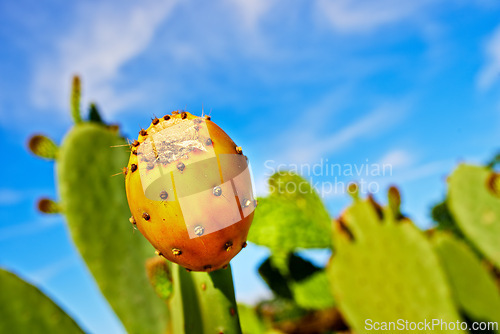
<point>473,285</point>
<point>385,270</point>
<point>292,216</point>
<point>474,201</point>
<point>203,303</point>
<point>25,309</point>
<point>189,191</point>
<point>94,204</point>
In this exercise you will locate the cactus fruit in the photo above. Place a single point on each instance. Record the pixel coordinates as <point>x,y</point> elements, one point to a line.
<point>189,190</point>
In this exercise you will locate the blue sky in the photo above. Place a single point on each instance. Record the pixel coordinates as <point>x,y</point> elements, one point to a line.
<point>413,84</point>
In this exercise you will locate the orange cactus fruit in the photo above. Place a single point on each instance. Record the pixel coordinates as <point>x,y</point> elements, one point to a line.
<point>190,191</point>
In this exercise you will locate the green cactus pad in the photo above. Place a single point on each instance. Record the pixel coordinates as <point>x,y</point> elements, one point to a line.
<point>25,309</point>
<point>303,282</point>
<point>473,286</point>
<point>388,272</point>
<point>203,303</point>
<point>97,212</point>
<point>292,216</point>
<point>43,147</point>
<point>250,321</point>
<point>475,204</point>
<point>160,276</point>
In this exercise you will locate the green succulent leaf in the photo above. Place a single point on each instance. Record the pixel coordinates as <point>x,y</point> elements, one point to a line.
<point>203,303</point>
<point>160,276</point>
<point>276,281</point>
<point>76,91</point>
<point>97,213</point>
<point>474,287</point>
<point>43,147</point>
<point>25,309</point>
<point>250,321</point>
<point>94,115</point>
<point>292,216</point>
<point>474,202</point>
<point>302,282</point>
<point>385,270</point>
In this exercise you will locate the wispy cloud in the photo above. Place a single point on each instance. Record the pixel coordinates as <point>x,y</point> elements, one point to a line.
<point>251,11</point>
<point>314,145</point>
<point>10,196</point>
<point>21,230</point>
<point>359,16</point>
<point>44,274</point>
<point>105,36</point>
<point>397,158</point>
<point>490,72</point>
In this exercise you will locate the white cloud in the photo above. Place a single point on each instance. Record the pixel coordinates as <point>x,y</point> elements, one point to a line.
<point>490,72</point>
<point>44,274</point>
<point>313,145</point>
<point>21,230</point>
<point>397,158</point>
<point>363,15</point>
<point>10,196</point>
<point>426,170</point>
<point>103,39</point>
<point>251,11</point>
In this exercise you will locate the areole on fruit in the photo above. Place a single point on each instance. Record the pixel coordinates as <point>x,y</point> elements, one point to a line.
<point>190,192</point>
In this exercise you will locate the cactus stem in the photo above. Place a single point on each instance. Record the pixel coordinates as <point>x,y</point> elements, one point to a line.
<point>75,100</point>
<point>146,216</point>
<point>133,167</point>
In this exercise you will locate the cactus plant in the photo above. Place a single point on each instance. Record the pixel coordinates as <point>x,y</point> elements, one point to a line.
<point>367,284</point>
<point>18,299</point>
<point>188,188</point>
<point>474,201</point>
<point>94,204</point>
<point>473,285</point>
